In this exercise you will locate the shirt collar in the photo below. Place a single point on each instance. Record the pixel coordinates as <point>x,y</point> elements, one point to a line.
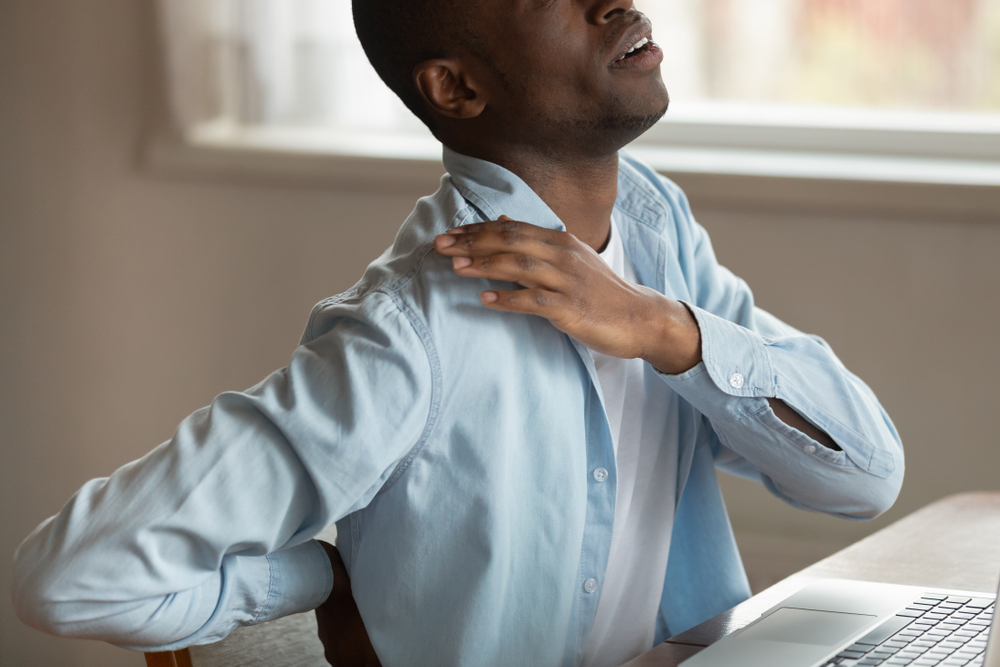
<point>641,211</point>
<point>496,191</point>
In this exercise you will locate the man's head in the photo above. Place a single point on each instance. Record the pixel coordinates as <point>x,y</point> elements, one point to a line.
<point>543,74</point>
<point>399,34</point>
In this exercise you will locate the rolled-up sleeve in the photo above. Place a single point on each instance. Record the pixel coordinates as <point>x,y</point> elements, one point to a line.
<point>749,356</point>
<point>213,529</point>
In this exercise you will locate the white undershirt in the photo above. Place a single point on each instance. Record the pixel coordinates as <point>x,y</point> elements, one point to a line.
<point>635,401</point>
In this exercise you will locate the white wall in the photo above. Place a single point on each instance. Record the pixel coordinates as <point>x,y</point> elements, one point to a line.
<point>127,300</point>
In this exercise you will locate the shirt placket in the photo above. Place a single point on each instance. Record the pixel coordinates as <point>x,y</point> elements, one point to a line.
<point>602,485</point>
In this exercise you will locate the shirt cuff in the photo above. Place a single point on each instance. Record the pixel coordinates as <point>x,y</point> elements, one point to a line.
<point>734,377</point>
<point>697,387</point>
<point>301,579</point>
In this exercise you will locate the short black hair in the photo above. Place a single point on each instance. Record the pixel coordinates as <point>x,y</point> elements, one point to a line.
<point>398,35</point>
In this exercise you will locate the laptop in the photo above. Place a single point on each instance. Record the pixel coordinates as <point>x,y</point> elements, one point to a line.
<point>840,623</point>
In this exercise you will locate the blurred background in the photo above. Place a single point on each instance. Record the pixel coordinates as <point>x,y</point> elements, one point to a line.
<point>154,251</point>
<point>298,63</point>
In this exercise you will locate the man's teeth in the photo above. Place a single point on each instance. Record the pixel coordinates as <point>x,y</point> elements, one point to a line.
<point>638,45</point>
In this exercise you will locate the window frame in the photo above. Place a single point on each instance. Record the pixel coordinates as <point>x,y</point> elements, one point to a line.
<point>745,157</point>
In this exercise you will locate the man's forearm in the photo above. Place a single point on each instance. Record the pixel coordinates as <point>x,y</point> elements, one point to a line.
<point>568,284</point>
<point>786,414</point>
<point>674,347</point>
<point>753,371</point>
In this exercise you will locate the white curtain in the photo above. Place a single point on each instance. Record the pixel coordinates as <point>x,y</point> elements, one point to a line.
<point>273,63</point>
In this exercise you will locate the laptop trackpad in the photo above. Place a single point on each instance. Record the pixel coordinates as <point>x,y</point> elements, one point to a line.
<point>806,626</point>
<point>789,637</point>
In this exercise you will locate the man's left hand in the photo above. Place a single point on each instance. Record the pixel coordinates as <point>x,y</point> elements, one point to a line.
<point>567,282</point>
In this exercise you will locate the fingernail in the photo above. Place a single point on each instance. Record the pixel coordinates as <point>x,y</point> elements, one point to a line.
<point>489,297</point>
<point>456,230</point>
<point>445,241</point>
<point>460,262</point>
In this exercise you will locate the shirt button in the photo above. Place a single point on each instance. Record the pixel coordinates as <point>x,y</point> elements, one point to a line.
<point>809,449</point>
<point>590,585</point>
<point>736,380</point>
<point>600,474</point>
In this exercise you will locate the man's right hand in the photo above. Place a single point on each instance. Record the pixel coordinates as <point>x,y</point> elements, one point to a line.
<point>345,639</point>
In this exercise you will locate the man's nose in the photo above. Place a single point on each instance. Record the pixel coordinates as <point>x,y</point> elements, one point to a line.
<point>603,11</point>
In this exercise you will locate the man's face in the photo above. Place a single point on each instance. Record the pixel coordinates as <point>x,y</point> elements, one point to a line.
<point>565,76</point>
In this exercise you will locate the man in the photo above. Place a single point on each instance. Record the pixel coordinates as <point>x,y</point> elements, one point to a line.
<point>517,436</point>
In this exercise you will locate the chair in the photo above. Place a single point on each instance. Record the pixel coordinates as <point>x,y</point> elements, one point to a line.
<point>287,642</point>
<point>169,659</point>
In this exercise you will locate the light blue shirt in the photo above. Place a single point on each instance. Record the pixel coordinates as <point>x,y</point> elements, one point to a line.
<point>455,446</point>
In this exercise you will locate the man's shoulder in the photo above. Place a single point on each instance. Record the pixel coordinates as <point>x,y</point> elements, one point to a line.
<point>394,286</point>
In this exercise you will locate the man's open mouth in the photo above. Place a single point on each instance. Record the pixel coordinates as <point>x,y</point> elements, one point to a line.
<point>641,46</point>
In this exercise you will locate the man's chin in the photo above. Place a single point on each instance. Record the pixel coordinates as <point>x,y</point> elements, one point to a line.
<point>622,129</point>
<point>635,123</point>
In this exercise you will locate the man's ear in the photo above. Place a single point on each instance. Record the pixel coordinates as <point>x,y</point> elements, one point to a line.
<point>449,89</point>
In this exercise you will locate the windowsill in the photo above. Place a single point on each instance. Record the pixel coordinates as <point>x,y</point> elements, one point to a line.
<point>324,159</point>
<point>746,178</point>
<point>831,182</point>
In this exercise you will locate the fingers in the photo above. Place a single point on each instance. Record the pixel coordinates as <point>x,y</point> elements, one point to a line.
<point>525,270</point>
<point>546,262</point>
<point>501,224</point>
<point>501,236</point>
<point>535,301</point>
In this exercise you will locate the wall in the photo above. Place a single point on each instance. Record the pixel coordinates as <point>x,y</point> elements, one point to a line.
<point>127,299</point>
<point>910,306</point>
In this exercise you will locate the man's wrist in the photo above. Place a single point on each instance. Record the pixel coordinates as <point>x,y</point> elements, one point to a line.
<point>671,343</point>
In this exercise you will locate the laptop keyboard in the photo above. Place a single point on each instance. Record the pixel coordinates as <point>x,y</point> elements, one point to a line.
<point>934,631</point>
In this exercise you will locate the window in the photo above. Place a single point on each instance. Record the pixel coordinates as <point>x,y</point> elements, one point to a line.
<point>911,88</point>
<point>879,54</point>
<point>281,73</point>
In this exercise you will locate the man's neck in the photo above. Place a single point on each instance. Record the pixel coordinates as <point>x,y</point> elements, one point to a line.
<point>581,192</point>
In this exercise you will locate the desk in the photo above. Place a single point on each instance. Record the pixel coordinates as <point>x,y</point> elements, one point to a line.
<point>952,543</point>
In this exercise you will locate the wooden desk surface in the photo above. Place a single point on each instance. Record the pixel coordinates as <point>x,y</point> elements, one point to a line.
<point>952,543</point>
